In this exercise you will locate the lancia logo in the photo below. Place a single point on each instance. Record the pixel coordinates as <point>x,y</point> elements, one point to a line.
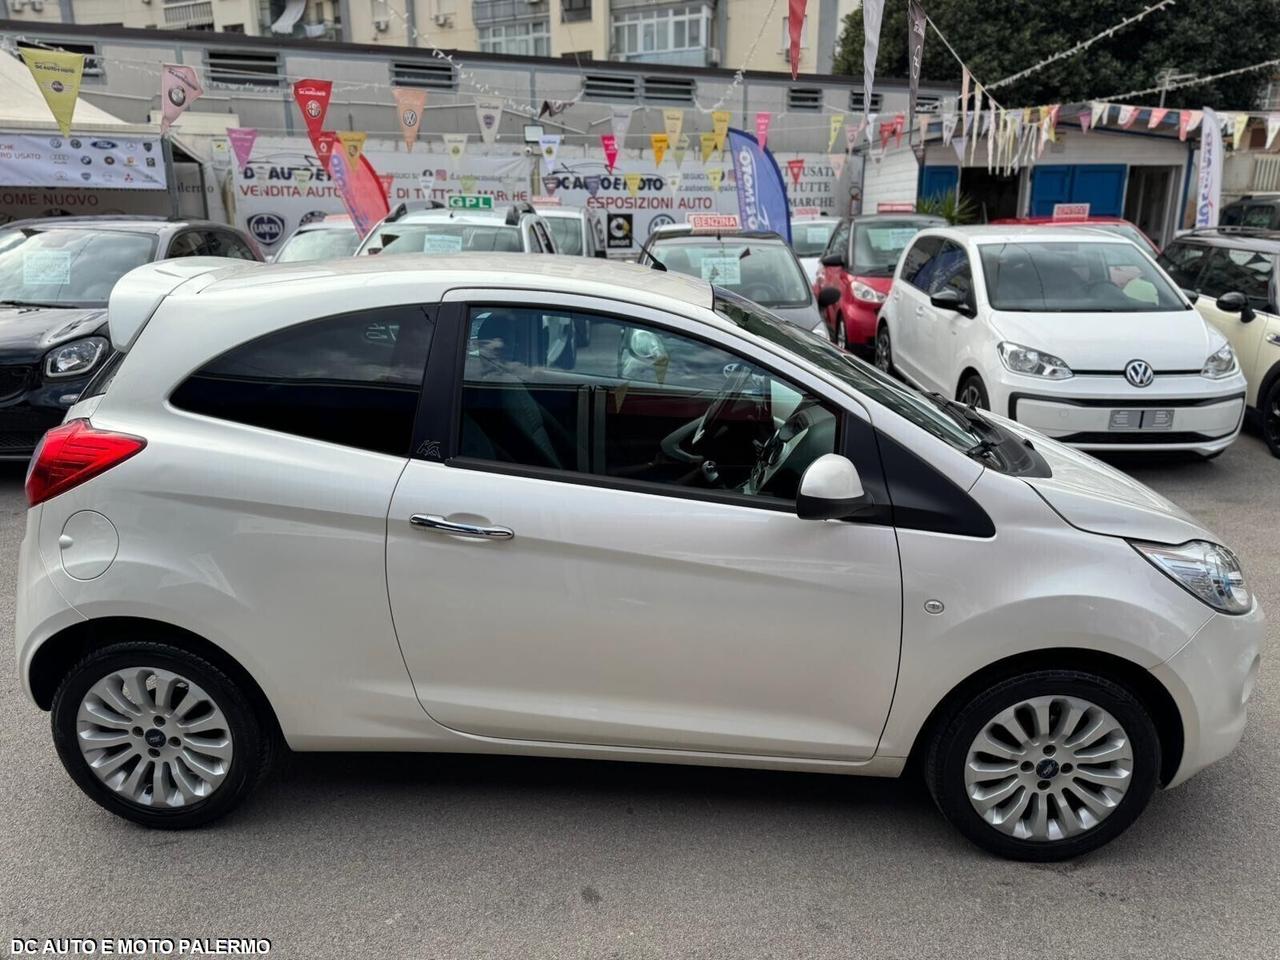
<point>1139,373</point>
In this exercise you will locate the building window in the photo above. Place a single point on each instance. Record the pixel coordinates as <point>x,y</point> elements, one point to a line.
<point>642,33</point>
<point>605,86</point>
<point>571,11</point>
<point>432,74</point>
<point>804,98</point>
<point>856,105</point>
<point>92,62</point>
<point>242,68</point>
<point>530,38</point>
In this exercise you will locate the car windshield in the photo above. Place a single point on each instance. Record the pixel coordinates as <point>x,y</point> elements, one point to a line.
<point>1129,232</point>
<point>444,237</point>
<point>68,267</point>
<point>877,246</point>
<point>566,234</point>
<point>810,239</point>
<point>319,245</point>
<point>761,270</point>
<point>1060,276</point>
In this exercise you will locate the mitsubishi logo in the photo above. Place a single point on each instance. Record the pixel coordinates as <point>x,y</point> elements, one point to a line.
<point>1139,373</point>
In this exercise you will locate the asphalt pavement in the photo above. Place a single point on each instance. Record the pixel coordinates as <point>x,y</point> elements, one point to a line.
<point>420,856</point>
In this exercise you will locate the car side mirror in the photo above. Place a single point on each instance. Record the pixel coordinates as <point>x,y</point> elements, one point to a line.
<point>1236,302</point>
<point>953,300</point>
<point>828,297</point>
<point>833,260</point>
<point>831,489</point>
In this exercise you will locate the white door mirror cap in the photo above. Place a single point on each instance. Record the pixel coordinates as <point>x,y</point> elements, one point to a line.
<point>831,490</point>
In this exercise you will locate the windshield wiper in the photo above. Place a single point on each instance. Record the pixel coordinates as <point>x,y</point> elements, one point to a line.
<point>28,303</point>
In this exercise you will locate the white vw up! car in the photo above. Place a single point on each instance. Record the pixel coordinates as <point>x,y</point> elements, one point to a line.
<point>1075,333</point>
<point>373,504</point>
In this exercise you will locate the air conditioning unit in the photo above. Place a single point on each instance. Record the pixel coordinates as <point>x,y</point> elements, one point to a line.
<point>147,2</point>
<point>37,5</point>
<point>381,25</point>
<point>713,57</point>
<point>443,19</point>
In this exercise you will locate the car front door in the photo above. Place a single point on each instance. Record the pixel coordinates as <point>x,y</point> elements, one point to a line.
<point>912,311</point>
<point>1251,272</point>
<point>949,336</point>
<point>575,555</point>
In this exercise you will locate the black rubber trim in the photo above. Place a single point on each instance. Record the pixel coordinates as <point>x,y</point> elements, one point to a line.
<point>1015,398</point>
<point>1120,373</point>
<point>433,426</point>
<point>1152,437</point>
<point>924,499</point>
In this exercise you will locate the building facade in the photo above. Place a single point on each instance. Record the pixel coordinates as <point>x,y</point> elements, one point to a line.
<point>695,33</point>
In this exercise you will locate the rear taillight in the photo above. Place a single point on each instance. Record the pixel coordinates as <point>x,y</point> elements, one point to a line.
<point>73,453</point>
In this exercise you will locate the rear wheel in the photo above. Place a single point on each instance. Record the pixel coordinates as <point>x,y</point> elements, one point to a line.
<point>973,393</point>
<point>158,735</point>
<point>1045,766</point>
<point>842,332</point>
<point>1270,411</point>
<point>884,349</point>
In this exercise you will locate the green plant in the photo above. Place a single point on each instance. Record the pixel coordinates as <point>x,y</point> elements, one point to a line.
<point>952,206</point>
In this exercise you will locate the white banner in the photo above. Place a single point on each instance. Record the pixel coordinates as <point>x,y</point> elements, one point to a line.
<point>84,160</point>
<point>1209,184</point>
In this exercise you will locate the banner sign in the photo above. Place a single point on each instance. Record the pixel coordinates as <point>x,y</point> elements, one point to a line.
<point>795,33</point>
<point>872,18</point>
<point>57,74</point>
<point>762,196</point>
<point>1071,211</point>
<point>915,57</point>
<point>713,221</point>
<point>179,89</point>
<point>313,98</point>
<point>1209,182</point>
<point>87,160</point>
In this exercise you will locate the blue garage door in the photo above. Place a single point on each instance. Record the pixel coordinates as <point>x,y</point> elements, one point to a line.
<point>1099,185</point>
<point>938,181</point>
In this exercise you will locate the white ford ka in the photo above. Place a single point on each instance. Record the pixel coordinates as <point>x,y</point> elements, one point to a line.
<point>1075,333</point>
<point>383,504</point>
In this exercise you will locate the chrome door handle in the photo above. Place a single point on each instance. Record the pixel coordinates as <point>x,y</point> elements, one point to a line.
<point>472,530</point>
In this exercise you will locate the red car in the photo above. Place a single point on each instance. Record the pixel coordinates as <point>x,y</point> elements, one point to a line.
<point>1117,225</point>
<point>857,272</point>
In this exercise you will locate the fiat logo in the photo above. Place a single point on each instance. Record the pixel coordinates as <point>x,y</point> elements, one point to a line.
<point>1139,373</point>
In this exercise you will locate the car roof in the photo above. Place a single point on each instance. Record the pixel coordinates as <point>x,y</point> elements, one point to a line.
<point>1059,221</point>
<point>577,213</point>
<point>1014,233</point>
<point>152,225</point>
<point>1249,238</point>
<point>498,217</point>
<point>666,233</point>
<point>334,222</point>
<point>904,215</point>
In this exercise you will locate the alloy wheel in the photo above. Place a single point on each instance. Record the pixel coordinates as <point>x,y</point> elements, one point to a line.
<point>154,737</point>
<point>1271,421</point>
<point>1048,768</point>
<point>971,395</point>
<point>884,350</point>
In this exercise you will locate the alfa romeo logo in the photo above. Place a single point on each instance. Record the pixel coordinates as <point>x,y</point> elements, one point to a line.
<point>313,109</point>
<point>1139,373</point>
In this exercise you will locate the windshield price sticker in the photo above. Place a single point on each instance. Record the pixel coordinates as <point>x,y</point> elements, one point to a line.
<point>815,234</point>
<point>713,221</point>
<point>441,243</point>
<point>723,270</point>
<point>470,201</point>
<point>1070,211</point>
<point>46,267</point>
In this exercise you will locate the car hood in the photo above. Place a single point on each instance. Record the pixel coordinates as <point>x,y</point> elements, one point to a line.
<point>35,329</point>
<point>806,316</point>
<point>1093,496</point>
<point>1173,340</point>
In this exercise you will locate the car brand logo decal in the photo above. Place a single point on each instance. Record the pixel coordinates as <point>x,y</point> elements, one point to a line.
<point>266,227</point>
<point>103,144</point>
<point>177,96</point>
<point>1139,373</point>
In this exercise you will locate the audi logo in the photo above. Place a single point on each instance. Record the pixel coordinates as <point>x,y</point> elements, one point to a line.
<point>1139,373</point>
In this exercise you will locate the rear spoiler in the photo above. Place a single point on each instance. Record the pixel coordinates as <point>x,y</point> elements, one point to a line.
<point>138,293</point>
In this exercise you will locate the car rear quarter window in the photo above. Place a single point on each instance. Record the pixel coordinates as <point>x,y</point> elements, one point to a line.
<point>353,380</point>
<point>1238,270</point>
<point>921,254</point>
<point>1184,263</point>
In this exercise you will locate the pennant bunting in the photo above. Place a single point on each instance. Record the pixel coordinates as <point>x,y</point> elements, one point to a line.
<point>659,143</point>
<point>609,144</point>
<point>964,101</point>
<point>1240,123</point>
<point>852,132</point>
<point>1098,110</point>
<point>1273,129</point>
<point>468,183</point>
<point>958,144</point>
<point>899,125</point>
<point>549,148</point>
<point>242,140</point>
<point>410,103</point>
<point>57,74</point>
<point>632,180</point>
<point>715,176</point>
<point>720,126</point>
<point>455,144</point>
<point>1085,118</point>
<point>593,183</point>
<point>323,142</point>
<point>948,119</point>
<point>762,128</point>
<point>312,97</point>
<point>386,180</point>
<point>796,169</point>
<point>837,121</point>
<point>1157,117</point>
<point>179,89</point>
<point>681,149</point>
<point>673,123</point>
<point>489,118</point>
<point>673,181</point>
<point>353,143</point>
<point>426,181</point>
<point>706,145</point>
<point>620,120</point>
<point>1126,117</point>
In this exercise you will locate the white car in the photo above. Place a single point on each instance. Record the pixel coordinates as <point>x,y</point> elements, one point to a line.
<point>1077,334</point>
<point>809,237</point>
<point>369,505</point>
<point>432,228</point>
<point>576,231</point>
<point>325,238</point>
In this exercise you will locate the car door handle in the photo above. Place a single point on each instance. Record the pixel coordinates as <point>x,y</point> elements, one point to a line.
<point>474,531</point>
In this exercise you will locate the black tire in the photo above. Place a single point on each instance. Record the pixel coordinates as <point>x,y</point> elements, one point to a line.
<point>1269,417</point>
<point>948,754</point>
<point>842,332</point>
<point>973,387</point>
<point>253,741</point>
<point>883,349</point>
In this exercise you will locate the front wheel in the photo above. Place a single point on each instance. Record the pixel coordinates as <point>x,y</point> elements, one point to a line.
<point>973,393</point>
<point>1270,411</point>
<point>158,735</point>
<point>884,349</point>
<point>1045,766</point>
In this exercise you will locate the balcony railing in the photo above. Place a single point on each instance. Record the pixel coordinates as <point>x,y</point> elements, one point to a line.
<point>183,15</point>
<point>496,11</point>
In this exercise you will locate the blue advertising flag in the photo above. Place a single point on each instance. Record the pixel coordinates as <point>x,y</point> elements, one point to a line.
<point>762,196</point>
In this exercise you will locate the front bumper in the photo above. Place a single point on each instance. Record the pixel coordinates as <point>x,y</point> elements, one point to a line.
<point>1211,680</point>
<point>24,418</point>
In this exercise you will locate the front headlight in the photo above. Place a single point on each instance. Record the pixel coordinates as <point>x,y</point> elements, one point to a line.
<point>74,359</point>
<point>1032,363</point>
<point>1220,364</point>
<point>867,294</point>
<point>1207,570</point>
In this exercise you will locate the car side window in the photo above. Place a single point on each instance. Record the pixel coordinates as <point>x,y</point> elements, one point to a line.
<point>594,395</point>
<point>916,261</point>
<point>352,379</point>
<point>1184,263</point>
<point>839,241</point>
<point>229,245</point>
<point>949,270</point>
<point>189,243</point>
<point>1246,271</point>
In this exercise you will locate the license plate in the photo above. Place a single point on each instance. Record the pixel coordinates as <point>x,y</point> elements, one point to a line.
<point>1134,419</point>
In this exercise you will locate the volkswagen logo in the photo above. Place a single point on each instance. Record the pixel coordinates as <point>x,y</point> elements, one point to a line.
<point>1139,373</point>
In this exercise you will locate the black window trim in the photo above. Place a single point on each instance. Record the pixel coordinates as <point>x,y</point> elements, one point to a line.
<point>439,424</point>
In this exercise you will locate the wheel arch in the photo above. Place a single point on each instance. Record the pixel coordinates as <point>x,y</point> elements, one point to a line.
<point>61,651</point>
<point>1268,380</point>
<point>969,371</point>
<point>1139,681</point>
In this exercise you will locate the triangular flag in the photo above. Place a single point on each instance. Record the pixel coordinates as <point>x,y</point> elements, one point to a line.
<point>976,135</point>
<point>632,180</point>
<point>1273,128</point>
<point>410,103</point>
<point>762,128</point>
<point>593,183</point>
<point>455,144</point>
<point>852,132</point>
<point>467,183</point>
<point>353,142</point>
<point>57,74</point>
<point>673,123</point>
<point>872,126</point>
<point>609,143</point>
<point>837,121</point>
<point>1086,120</point>
<point>549,147</point>
<point>673,181</point>
<point>964,101</point>
<point>681,148</point>
<point>886,131</point>
<point>659,142</point>
<point>179,89</point>
<point>549,184</point>
<point>1053,121</point>
<point>386,179</point>
<point>958,144</point>
<point>720,126</point>
<point>1241,123</point>
<point>948,119</point>
<point>312,97</point>
<point>1126,117</point>
<point>426,181</point>
<point>620,119</point>
<point>323,143</point>
<point>715,176</point>
<point>707,145</point>
<point>795,31</point>
<point>796,169</point>
<point>489,118</point>
<point>242,139</point>
<point>1098,109</point>
<point>899,125</point>
<point>837,163</point>
<point>1188,120</point>
<point>1157,117</point>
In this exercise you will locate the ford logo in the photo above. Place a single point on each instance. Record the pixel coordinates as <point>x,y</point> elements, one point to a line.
<point>103,144</point>
<point>266,228</point>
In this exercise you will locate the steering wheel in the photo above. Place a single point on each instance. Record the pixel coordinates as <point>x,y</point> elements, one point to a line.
<point>738,379</point>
